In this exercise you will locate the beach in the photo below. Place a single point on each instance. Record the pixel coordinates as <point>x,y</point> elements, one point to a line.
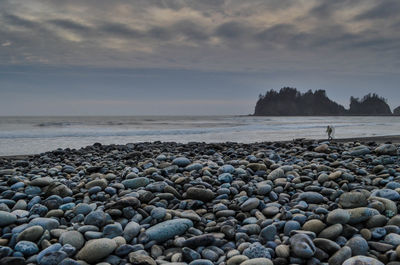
<point>283,202</point>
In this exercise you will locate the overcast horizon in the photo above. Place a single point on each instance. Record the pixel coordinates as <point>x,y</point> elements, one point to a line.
<point>209,57</point>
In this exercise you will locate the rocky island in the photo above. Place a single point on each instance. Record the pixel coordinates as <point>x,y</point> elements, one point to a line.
<point>299,202</point>
<point>290,102</point>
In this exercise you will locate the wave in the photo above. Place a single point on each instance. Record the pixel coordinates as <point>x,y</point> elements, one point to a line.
<point>196,130</point>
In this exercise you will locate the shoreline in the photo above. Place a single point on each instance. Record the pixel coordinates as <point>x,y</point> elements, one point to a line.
<point>378,139</point>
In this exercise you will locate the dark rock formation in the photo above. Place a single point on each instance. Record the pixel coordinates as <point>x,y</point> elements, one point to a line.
<point>290,102</point>
<point>396,111</point>
<point>371,104</point>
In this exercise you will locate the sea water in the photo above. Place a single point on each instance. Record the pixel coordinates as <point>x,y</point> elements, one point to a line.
<point>31,135</point>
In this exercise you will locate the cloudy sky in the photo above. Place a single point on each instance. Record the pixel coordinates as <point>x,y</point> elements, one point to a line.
<point>80,57</point>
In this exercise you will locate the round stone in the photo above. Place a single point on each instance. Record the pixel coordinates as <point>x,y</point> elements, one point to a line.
<point>27,248</point>
<point>7,218</point>
<point>200,194</point>
<point>158,213</point>
<point>331,232</point>
<point>237,260</point>
<point>168,229</point>
<point>362,260</point>
<point>258,261</point>
<point>181,161</point>
<point>250,204</point>
<point>358,245</point>
<point>74,238</point>
<point>338,216</point>
<point>314,225</point>
<point>302,246</point>
<point>268,233</point>
<point>32,234</point>
<point>96,249</point>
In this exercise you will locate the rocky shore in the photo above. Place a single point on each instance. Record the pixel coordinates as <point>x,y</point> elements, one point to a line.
<point>300,202</point>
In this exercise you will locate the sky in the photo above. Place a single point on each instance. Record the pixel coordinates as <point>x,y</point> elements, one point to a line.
<point>193,57</point>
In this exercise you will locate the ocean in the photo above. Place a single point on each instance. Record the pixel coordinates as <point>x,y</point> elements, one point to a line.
<point>32,135</point>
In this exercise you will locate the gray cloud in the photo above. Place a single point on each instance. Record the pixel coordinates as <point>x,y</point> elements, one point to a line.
<point>200,34</point>
<point>120,30</point>
<point>70,25</point>
<point>15,20</point>
<point>384,10</point>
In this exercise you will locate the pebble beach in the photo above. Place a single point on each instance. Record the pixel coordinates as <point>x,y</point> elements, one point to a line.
<point>294,202</point>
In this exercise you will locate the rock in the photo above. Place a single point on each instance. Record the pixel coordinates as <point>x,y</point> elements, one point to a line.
<point>56,188</point>
<point>140,259</point>
<point>386,149</point>
<point>398,251</point>
<point>200,194</point>
<point>131,230</point>
<point>353,199</point>
<point>201,240</point>
<point>190,255</point>
<point>181,161</point>
<point>201,262</point>
<point>53,258</point>
<point>311,197</point>
<point>263,189</point>
<point>74,238</point>
<point>268,233</point>
<point>362,260</point>
<point>102,183</point>
<point>7,218</point>
<point>158,213</point>
<point>112,230</point>
<point>275,174</point>
<point>282,251</point>
<point>338,216</point>
<point>250,204</point>
<point>32,234</point>
<point>331,232</point>
<point>326,245</point>
<point>12,261</point>
<point>124,202</point>
<point>390,206</point>
<point>335,175</point>
<point>257,261</point>
<point>97,218</point>
<point>302,246</point>
<point>27,248</point>
<point>256,250</point>
<point>237,260</point>
<point>135,182</point>
<point>323,148</point>
<point>97,249</point>
<point>290,226</point>
<point>360,151</point>
<point>225,178</point>
<point>361,214</point>
<point>387,194</point>
<point>358,245</point>
<point>46,223</point>
<point>168,229</point>
<point>314,225</point>
<point>340,256</point>
<point>47,251</point>
<point>392,239</point>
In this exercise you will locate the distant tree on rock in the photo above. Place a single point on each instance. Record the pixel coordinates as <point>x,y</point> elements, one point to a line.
<point>371,104</point>
<point>291,102</point>
<point>396,111</point>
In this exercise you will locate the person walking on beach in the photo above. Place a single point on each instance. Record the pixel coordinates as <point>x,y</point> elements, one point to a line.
<point>329,131</point>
